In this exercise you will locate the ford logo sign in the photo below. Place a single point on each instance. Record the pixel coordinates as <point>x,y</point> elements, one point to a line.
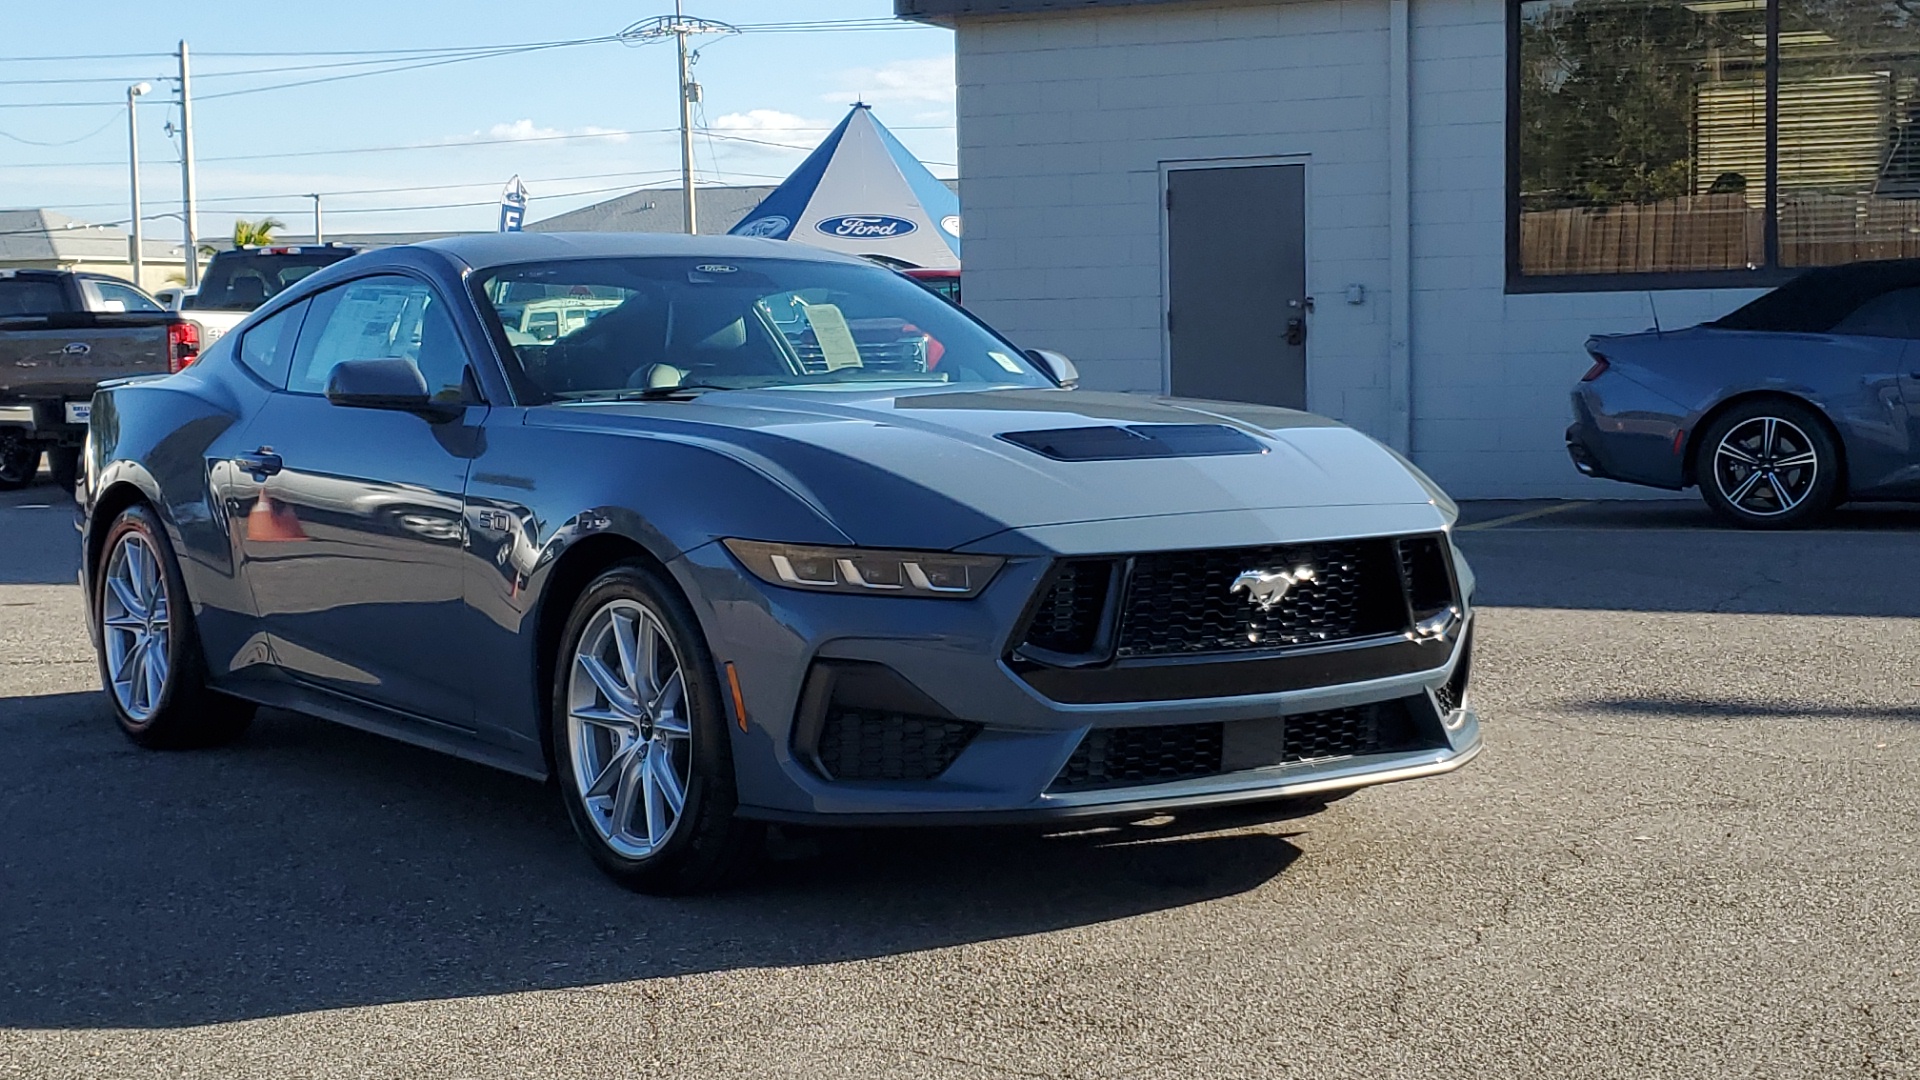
<point>865,226</point>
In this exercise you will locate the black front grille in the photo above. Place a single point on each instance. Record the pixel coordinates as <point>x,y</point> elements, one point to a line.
<point>1126,757</point>
<point>1067,619</point>
<point>858,744</point>
<point>1182,602</point>
<point>1122,757</point>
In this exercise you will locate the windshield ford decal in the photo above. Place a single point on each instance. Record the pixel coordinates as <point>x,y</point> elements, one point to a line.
<point>865,226</point>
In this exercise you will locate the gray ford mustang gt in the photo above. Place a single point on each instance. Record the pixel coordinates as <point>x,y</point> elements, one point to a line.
<point>1803,399</point>
<point>718,532</point>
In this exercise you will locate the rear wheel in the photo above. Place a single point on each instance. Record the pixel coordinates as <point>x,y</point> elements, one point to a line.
<point>19,461</point>
<point>64,463</point>
<point>1769,464</point>
<point>150,659</point>
<point>640,740</point>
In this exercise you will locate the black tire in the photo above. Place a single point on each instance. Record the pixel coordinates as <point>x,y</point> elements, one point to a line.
<point>706,846</point>
<point>185,713</point>
<point>64,463</point>
<point>19,461</point>
<point>1770,463</point>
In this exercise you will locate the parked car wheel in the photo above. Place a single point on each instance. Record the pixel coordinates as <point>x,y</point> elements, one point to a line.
<point>1769,464</point>
<point>19,462</point>
<point>640,741</point>
<point>150,660</point>
<point>64,463</point>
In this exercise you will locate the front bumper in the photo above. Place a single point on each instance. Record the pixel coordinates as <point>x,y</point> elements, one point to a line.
<point>951,657</point>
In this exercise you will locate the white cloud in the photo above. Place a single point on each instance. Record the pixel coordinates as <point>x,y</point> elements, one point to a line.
<point>518,130</point>
<point>774,126</point>
<point>922,81</point>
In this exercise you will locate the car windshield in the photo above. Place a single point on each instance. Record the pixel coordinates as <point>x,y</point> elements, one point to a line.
<point>589,328</point>
<point>243,280</point>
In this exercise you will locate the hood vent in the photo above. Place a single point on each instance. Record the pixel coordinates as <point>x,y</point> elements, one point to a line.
<point>1117,443</point>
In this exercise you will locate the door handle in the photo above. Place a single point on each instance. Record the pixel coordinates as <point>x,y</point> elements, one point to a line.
<point>261,463</point>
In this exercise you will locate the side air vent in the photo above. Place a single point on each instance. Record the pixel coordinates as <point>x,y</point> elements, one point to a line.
<point>859,745</point>
<point>1068,618</point>
<point>1423,568</point>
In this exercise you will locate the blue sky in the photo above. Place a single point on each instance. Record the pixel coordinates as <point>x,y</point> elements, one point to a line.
<point>482,120</point>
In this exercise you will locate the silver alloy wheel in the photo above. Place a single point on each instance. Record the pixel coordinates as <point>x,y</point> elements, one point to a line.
<point>1766,466</point>
<point>628,728</point>
<point>133,626</point>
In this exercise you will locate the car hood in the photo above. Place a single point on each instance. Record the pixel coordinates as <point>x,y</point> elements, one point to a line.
<point>933,468</point>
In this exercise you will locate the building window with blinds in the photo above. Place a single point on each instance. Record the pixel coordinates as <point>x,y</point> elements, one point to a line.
<point>1704,141</point>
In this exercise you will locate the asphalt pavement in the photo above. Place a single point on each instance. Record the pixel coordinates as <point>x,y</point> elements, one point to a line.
<point>1688,851</point>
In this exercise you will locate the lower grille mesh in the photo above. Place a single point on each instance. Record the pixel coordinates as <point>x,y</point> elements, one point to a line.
<point>1120,757</point>
<point>857,744</point>
<point>1127,757</point>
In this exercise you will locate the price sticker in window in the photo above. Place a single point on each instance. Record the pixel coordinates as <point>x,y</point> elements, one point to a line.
<point>830,329</point>
<point>1004,361</point>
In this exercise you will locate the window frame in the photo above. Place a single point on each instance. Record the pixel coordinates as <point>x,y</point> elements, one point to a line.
<point>292,341</point>
<point>472,388</point>
<point>1768,275</point>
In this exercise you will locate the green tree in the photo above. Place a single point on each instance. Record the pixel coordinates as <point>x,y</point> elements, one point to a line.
<point>255,233</point>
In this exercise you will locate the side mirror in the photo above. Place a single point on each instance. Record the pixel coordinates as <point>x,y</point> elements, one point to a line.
<point>391,383</point>
<point>1056,365</point>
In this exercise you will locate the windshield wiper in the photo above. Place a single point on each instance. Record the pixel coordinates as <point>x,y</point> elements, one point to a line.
<point>651,393</point>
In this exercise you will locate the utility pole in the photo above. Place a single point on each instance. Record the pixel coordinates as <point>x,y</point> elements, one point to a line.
<point>319,237</point>
<point>679,27</point>
<point>189,214</point>
<point>689,92</point>
<point>138,255</point>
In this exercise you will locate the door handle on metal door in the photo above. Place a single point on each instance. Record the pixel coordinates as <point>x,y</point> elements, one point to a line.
<point>261,463</point>
<point>1297,330</point>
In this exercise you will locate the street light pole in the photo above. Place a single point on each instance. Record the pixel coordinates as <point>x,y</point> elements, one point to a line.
<point>189,215</point>
<point>319,235</point>
<point>138,255</point>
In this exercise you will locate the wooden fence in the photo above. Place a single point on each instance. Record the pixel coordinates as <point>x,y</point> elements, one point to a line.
<point>1716,232</point>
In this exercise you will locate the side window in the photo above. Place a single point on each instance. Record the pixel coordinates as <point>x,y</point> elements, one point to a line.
<point>1890,315</point>
<point>375,318</point>
<point>129,299</point>
<point>267,346</point>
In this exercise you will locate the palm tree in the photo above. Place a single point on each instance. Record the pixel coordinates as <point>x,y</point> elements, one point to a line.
<point>255,233</point>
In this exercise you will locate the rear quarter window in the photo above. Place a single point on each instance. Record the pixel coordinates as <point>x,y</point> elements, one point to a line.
<point>266,348</point>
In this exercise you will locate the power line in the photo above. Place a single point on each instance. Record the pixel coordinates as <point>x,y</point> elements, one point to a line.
<point>62,142</point>
<point>82,56</point>
<point>438,62</point>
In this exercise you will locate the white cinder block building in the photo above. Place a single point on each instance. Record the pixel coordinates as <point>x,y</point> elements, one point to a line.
<point>1466,190</point>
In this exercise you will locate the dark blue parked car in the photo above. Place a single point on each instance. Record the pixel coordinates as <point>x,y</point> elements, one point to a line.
<point>1805,398</point>
<point>723,531</point>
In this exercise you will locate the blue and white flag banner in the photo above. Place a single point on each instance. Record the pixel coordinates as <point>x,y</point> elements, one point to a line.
<point>513,205</point>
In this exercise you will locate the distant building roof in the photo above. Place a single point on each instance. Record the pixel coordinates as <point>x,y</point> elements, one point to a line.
<point>658,210</point>
<point>49,236</point>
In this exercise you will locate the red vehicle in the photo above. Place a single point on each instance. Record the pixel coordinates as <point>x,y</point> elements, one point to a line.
<point>944,282</point>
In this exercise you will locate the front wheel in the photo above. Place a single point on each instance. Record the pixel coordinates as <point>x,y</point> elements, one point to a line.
<point>1769,464</point>
<point>19,461</point>
<point>640,741</point>
<point>150,659</point>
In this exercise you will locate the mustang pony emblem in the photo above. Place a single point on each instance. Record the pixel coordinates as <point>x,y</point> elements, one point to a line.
<point>1266,588</point>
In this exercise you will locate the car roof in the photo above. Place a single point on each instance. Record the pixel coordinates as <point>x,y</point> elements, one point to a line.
<point>483,250</point>
<point>1818,299</point>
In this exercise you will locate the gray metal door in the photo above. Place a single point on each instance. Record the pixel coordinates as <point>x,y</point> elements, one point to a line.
<point>1237,283</point>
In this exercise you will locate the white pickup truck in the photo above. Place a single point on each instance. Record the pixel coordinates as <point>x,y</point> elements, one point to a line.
<point>237,281</point>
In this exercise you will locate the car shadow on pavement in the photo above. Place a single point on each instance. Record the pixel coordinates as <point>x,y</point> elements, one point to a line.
<point>315,867</point>
<point>1716,708</point>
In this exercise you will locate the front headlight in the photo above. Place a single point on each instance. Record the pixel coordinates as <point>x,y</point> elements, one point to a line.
<point>867,571</point>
